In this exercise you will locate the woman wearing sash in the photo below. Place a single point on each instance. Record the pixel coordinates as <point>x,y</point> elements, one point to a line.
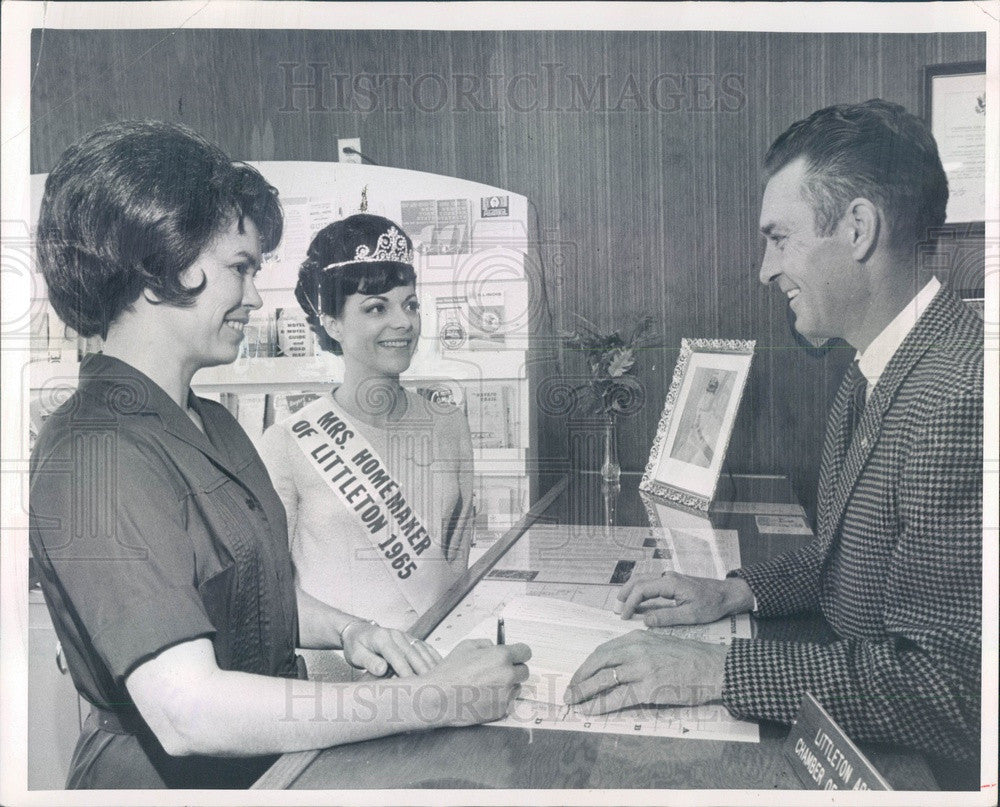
<point>376,480</point>
<point>160,543</point>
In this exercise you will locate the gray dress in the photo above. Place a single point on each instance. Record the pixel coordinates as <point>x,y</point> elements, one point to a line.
<point>148,533</point>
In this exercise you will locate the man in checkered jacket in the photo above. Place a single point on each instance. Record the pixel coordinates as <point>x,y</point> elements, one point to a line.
<point>896,566</point>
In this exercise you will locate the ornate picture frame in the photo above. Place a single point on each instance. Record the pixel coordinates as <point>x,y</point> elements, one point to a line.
<point>693,434</point>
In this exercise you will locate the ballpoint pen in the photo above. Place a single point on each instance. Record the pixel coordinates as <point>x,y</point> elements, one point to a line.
<point>501,638</point>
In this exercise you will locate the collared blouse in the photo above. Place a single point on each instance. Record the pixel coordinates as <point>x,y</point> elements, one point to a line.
<point>148,533</point>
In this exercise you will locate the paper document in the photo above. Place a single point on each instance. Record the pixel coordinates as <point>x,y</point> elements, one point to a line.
<point>557,590</point>
<point>562,634</point>
<point>764,508</point>
<point>782,525</point>
<point>592,555</point>
<point>708,722</point>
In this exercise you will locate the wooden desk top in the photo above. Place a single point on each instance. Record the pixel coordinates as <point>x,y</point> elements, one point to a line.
<point>511,758</point>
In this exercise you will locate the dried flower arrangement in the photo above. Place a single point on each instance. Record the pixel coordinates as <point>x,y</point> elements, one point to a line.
<point>611,357</point>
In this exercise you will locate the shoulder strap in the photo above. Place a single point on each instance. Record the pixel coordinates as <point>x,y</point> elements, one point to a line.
<point>358,477</point>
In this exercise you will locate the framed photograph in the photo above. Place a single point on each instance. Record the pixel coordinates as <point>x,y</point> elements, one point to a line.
<point>697,421</point>
<point>955,110</point>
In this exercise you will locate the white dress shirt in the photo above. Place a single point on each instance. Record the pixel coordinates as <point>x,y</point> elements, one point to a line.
<point>873,359</point>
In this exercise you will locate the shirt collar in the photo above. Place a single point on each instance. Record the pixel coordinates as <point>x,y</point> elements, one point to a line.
<point>873,359</point>
<point>128,391</point>
<point>121,388</point>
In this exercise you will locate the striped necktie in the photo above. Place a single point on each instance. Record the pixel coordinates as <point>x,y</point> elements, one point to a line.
<point>857,386</point>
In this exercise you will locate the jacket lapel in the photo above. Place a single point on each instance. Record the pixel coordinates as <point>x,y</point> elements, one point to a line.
<point>842,478</point>
<point>834,450</point>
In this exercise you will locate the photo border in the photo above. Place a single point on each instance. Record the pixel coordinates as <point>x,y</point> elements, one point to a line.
<point>673,491</point>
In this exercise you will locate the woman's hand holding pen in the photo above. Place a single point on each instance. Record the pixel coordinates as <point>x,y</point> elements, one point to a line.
<point>480,679</point>
<point>369,646</point>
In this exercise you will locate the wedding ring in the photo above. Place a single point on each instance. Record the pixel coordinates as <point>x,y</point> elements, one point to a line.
<point>413,642</point>
<point>614,673</point>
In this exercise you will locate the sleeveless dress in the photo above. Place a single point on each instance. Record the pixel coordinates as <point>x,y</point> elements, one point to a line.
<point>428,451</point>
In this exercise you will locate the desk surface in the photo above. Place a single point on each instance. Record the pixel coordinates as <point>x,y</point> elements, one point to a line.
<point>502,757</point>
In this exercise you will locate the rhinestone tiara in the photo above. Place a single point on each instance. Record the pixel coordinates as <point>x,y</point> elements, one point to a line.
<point>391,246</point>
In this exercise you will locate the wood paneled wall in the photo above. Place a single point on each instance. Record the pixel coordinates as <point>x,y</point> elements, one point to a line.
<point>640,151</point>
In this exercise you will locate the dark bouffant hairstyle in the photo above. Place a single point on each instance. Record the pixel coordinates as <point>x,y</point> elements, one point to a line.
<point>321,290</point>
<point>130,207</point>
<point>875,150</point>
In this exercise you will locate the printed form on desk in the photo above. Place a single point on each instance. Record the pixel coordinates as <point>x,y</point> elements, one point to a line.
<point>563,621</point>
<point>562,634</point>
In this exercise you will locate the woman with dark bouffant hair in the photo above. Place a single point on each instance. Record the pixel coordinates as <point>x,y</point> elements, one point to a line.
<point>160,541</point>
<point>376,480</point>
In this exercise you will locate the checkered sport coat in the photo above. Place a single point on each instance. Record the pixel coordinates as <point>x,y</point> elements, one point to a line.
<point>896,566</point>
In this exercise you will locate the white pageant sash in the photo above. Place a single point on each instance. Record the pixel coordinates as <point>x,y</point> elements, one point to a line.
<point>358,477</point>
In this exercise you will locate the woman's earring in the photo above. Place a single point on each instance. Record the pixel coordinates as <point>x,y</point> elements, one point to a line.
<point>330,326</point>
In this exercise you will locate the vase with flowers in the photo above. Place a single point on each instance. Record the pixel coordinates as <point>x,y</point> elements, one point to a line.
<point>612,387</point>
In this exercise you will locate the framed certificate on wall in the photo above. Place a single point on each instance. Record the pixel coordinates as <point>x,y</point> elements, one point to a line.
<point>955,109</point>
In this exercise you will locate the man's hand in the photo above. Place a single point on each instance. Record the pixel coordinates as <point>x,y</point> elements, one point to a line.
<point>694,600</point>
<point>642,667</point>
<point>375,649</point>
<point>480,679</point>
